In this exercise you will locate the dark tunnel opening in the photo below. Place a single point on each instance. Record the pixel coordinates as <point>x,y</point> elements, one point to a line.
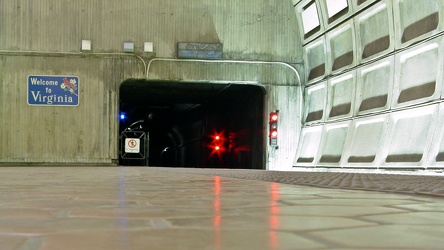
<point>194,124</point>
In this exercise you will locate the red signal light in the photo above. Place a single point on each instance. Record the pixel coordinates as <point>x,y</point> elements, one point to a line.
<point>274,133</point>
<point>274,118</point>
<point>217,143</point>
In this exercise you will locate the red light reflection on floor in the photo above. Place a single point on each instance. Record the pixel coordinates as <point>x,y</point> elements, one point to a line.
<point>217,217</point>
<point>273,219</point>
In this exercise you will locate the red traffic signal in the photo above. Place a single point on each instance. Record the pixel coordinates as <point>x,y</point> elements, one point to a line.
<point>274,116</point>
<point>217,143</point>
<point>273,132</point>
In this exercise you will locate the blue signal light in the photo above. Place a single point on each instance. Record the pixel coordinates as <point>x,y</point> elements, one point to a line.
<point>122,116</point>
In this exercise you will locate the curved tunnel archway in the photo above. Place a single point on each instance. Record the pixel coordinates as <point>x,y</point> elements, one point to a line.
<point>183,119</point>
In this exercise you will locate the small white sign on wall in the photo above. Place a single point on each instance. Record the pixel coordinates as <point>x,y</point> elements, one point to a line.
<point>132,145</point>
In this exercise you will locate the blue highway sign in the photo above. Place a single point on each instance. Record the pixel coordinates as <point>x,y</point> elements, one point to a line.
<point>53,90</point>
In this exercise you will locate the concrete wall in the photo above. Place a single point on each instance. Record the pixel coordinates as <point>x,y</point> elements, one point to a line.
<point>374,85</point>
<point>83,133</point>
<point>44,38</point>
<point>249,29</point>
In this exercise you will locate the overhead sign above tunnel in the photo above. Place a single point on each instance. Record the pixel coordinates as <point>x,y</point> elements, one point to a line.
<point>200,50</point>
<point>53,90</point>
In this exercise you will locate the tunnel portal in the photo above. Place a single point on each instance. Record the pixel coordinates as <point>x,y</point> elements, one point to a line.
<point>195,124</point>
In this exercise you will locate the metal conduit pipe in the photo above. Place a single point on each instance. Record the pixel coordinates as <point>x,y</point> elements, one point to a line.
<point>284,64</point>
<point>87,54</point>
<point>223,61</point>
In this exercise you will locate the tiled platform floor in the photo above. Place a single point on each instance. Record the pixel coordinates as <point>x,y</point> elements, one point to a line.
<point>43,208</point>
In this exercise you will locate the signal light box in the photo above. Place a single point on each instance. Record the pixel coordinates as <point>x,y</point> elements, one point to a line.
<point>273,132</point>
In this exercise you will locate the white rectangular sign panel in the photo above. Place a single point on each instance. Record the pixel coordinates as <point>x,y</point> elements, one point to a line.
<point>132,145</point>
